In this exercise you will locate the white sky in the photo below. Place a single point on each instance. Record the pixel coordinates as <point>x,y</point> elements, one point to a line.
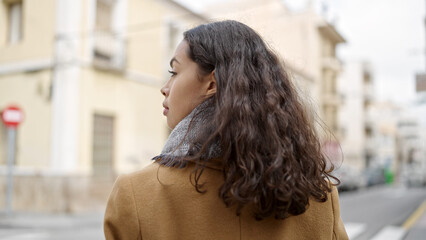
<point>390,34</point>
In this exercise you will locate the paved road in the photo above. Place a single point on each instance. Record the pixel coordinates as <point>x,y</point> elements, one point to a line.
<point>23,226</point>
<point>380,213</point>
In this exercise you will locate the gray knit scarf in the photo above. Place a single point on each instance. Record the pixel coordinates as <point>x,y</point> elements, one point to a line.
<point>183,141</point>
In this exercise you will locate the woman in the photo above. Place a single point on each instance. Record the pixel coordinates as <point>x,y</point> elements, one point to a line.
<point>242,161</point>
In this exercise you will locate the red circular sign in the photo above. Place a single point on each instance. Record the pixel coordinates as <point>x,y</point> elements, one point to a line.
<point>12,116</point>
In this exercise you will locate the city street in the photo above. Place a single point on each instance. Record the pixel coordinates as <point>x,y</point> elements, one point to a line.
<point>383,212</point>
<point>23,226</point>
<point>95,89</point>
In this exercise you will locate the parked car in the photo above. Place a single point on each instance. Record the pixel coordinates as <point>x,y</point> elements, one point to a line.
<point>413,175</point>
<point>350,178</point>
<point>374,176</point>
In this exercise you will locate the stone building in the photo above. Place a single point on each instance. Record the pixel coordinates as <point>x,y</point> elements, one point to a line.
<point>307,43</point>
<point>356,117</point>
<point>87,74</point>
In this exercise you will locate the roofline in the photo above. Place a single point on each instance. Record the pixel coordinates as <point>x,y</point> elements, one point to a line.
<point>331,31</point>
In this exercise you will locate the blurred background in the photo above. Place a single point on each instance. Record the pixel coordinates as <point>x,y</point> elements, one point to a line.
<point>80,99</point>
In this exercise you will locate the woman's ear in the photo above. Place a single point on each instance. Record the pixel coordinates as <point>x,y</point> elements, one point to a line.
<point>211,89</point>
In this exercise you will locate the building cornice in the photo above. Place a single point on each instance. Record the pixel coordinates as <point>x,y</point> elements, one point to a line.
<point>186,9</point>
<point>331,32</point>
<point>26,66</point>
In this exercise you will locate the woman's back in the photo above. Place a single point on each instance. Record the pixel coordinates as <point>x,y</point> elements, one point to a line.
<point>241,133</point>
<point>160,203</point>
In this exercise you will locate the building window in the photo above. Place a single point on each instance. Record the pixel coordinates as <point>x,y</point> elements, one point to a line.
<point>104,37</point>
<point>333,87</point>
<point>326,109</point>
<point>14,22</point>
<point>330,117</point>
<point>103,145</point>
<point>109,46</point>
<point>104,15</point>
<point>335,125</point>
<point>328,49</point>
<point>326,76</point>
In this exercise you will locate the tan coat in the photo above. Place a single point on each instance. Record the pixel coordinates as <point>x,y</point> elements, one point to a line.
<point>160,203</point>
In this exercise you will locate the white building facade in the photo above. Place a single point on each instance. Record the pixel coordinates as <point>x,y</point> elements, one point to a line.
<point>357,123</point>
<point>87,74</point>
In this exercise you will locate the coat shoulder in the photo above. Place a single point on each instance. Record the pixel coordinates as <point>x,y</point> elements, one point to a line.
<point>145,173</point>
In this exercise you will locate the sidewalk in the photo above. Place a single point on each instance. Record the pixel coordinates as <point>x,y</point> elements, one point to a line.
<point>50,226</point>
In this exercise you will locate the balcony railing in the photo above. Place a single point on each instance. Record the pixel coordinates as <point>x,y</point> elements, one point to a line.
<point>332,63</point>
<point>109,51</point>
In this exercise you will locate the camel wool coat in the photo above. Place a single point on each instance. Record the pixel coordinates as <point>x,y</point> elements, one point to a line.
<point>159,202</point>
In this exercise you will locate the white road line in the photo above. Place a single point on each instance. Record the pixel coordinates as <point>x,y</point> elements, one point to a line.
<point>390,233</point>
<point>24,236</point>
<point>354,229</point>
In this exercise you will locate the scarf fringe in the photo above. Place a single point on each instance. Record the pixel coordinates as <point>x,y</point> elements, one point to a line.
<point>170,161</point>
<point>180,143</point>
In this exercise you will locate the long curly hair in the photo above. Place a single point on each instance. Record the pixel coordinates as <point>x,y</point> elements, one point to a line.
<point>272,158</point>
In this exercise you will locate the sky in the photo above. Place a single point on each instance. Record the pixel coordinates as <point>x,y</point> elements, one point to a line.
<point>390,34</point>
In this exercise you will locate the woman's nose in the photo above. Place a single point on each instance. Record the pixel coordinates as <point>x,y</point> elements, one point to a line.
<point>164,90</point>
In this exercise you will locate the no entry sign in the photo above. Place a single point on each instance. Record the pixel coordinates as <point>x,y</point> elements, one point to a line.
<point>12,116</point>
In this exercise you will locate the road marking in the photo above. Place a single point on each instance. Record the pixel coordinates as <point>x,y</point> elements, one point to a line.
<point>415,216</point>
<point>354,229</point>
<point>32,236</point>
<point>390,233</point>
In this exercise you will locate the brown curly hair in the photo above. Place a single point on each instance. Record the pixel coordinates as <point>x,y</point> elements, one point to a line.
<point>272,158</point>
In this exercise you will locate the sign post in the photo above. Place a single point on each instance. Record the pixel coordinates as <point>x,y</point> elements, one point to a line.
<point>12,116</point>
